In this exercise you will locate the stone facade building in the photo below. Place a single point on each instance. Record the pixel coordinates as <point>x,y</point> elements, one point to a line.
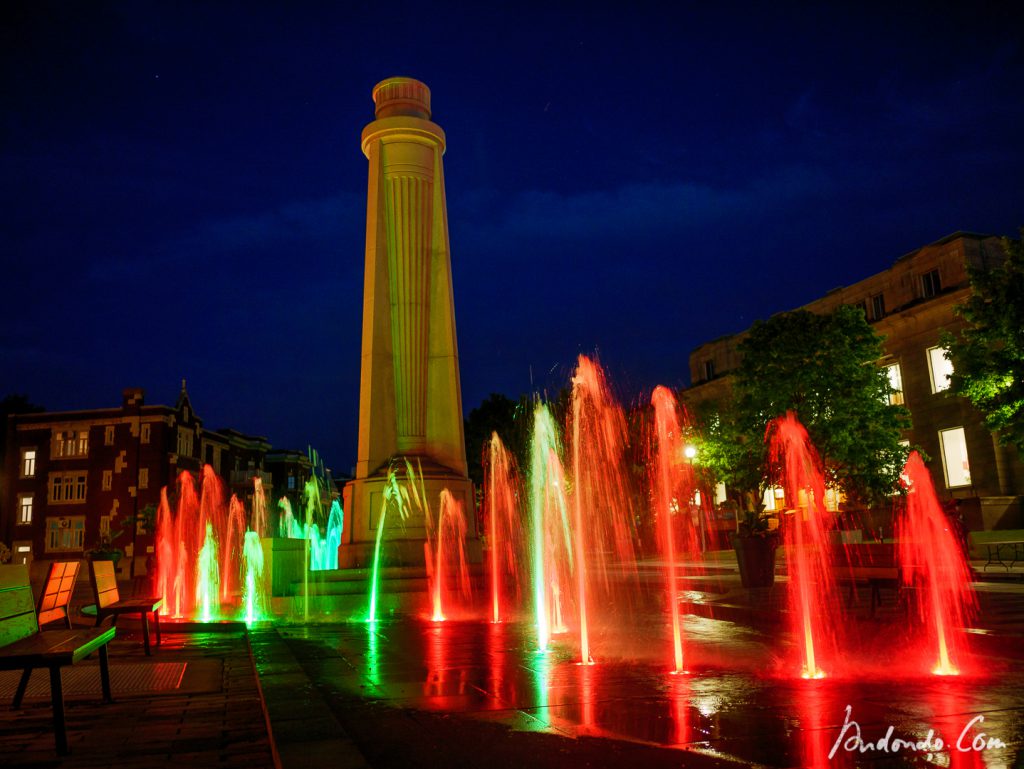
<point>911,304</point>
<point>75,479</point>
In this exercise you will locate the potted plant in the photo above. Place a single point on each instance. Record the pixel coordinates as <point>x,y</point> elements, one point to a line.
<point>755,544</point>
<point>105,551</point>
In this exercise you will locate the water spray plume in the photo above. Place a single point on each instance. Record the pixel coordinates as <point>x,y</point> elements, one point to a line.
<point>208,578</point>
<point>503,524</point>
<point>253,598</point>
<point>394,499</point>
<point>933,561</point>
<point>814,600</point>
<point>671,483</point>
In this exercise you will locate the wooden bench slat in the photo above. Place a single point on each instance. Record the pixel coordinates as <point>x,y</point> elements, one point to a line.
<point>53,647</point>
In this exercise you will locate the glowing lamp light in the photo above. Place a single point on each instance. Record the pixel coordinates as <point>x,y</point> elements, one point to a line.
<point>690,451</point>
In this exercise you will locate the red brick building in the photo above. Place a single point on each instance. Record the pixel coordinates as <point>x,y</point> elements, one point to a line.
<point>73,479</point>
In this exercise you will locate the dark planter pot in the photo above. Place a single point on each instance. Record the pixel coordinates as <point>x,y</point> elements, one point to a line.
<point>756,559</point>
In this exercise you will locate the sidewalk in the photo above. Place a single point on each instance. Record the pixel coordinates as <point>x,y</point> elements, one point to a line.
<point>194,703</point>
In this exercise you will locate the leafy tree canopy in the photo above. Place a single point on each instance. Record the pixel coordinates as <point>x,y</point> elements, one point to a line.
<point>988,353</point>
<point>498,413</point>
<point>824,368</point>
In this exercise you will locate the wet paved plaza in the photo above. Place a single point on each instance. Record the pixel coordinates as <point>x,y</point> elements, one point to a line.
<point>415,693</point>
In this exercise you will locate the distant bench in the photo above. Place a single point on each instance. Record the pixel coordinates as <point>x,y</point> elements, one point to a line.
<point>23,646</point>
<point>870,563</point>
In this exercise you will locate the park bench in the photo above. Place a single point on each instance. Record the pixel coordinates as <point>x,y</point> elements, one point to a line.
<point>23,646</point>
<point>110,604</point>
<point>56,593</point>
<point>870,563</point>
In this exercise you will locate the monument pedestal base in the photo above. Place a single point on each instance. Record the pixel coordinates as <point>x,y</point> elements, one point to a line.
<point>403,542</point>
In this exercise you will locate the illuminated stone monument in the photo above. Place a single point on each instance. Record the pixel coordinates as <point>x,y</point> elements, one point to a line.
<point>410,397</point>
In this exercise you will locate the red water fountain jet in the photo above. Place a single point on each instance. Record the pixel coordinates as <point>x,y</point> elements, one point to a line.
<point>186,542</point>
<point>231,549</point>
<point>449,552</point>
<point>932,561</point>
<point>600,498</point>
<point>672,484</point>
<point>813,598</point>
<point>166,553</point>
<point>503,524</point>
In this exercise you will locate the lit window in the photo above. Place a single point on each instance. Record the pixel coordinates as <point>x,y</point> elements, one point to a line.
<point>940,367</point>
<point>291,482</point>
<point>953,443</point>
<point>67,487</point>
<point>108,435</point>
<point>65,533</point>
<point>145,434</point>
<point>895,377</point>
<point>144,478</point>
<point>720,495</point>
<point>24,509</point>
<point>930,284</point>
<point>108,479</point>
<point>70,443</point>
<point>28,463</point>
<point>773,498</point>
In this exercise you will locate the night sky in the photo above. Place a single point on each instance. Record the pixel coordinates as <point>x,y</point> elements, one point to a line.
<point>184,194</point>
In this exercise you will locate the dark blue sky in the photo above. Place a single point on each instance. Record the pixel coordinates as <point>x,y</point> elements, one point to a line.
<point>184,194</point>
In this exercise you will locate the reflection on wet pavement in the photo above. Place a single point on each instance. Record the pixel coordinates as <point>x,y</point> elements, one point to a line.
<point>734,703</point>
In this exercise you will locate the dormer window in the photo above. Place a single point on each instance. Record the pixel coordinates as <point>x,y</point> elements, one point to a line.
<point>930,284</point>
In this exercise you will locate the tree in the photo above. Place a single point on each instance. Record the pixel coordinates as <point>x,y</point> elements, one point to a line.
<point>498,413</point>
<point>823,368</point>
<point>988,353</point>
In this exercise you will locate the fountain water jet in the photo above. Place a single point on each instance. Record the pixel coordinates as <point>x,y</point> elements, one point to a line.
<point>503,525</point>
<point>932,561</point>
<point>673,485</point>
<point>814,600</point>
<point>449,550</point>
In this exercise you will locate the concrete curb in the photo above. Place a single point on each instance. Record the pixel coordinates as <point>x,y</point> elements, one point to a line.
<point>304,733</point>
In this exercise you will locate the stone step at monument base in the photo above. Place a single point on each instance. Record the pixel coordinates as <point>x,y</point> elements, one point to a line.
<point>353,606</point>
<point>391,580</point>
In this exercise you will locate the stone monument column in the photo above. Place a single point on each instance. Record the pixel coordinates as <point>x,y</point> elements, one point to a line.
<point>410,396</point>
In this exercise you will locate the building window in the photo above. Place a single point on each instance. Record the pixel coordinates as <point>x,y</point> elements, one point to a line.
<point>28,463</point>
<point>24,509</point>
<point>709,369</point>
<point>145,434</point>
<point>185,439</point>
<point>70,443</point>
<point>930,285</point>
<point>68,487</point>
<point>143,477</point>
<point>877,306</point>
<point>108,435</point>
<point>108,480</point>
<point>895,376</point>
<point>940,367</point>
<point>291,482</point>
<point>953,443</point>
<point>65,533</point>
